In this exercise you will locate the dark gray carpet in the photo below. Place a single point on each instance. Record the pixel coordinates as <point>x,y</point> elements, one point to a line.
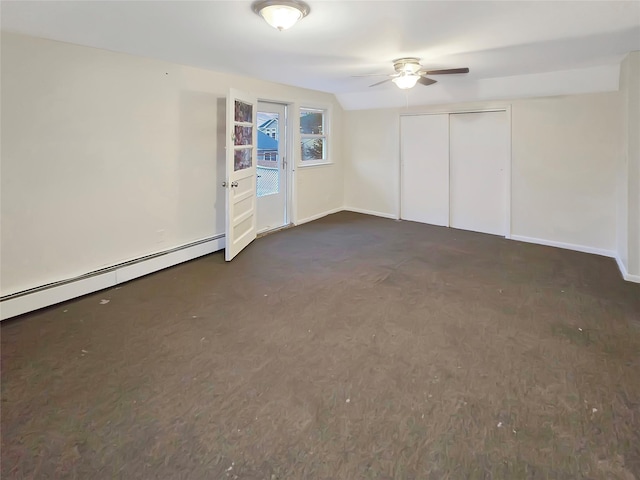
<point>351,347</point>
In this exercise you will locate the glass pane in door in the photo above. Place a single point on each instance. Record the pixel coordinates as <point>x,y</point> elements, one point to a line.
<point>268,174</point>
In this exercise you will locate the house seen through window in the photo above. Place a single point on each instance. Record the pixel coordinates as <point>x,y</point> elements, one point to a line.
<point>313,135</point>
<point>268,179</point>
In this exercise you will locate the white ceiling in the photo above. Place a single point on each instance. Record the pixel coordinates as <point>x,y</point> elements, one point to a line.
<point>512,48</point>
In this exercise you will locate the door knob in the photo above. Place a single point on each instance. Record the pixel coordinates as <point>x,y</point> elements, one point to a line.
<point>224,184</point>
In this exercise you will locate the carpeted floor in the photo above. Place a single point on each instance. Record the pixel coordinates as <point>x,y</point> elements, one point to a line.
<point>352,347</point>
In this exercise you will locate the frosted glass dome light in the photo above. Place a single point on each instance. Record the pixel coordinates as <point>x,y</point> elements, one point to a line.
<point>406,81</point>
<point>281,14</point>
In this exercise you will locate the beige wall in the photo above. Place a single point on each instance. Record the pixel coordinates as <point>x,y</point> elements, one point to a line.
<point>622,176</point>
<point>372,168</point>
<point>564,155</point>
<point>633,152</point>
<point>107,157</point>
<point>628,205</point>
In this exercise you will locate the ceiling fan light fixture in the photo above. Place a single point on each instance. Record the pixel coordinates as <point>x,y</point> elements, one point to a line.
<point>406,81</point>
<point>281,14</point>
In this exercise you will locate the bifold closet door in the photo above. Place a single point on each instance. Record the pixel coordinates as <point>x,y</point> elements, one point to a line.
<point>479,156</point>
<point>424,160</point>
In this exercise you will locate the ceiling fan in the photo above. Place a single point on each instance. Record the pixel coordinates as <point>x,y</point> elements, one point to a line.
<point>409,72</point>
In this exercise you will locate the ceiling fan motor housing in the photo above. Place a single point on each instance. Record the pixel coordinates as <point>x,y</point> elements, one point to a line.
<point>407,66</point>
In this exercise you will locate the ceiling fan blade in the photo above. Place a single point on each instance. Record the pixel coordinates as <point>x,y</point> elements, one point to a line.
<point>426,81</point>
<point>447,71</point>
<point>380,83</point>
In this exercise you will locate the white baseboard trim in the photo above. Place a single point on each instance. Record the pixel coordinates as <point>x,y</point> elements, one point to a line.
<point>47,295</point>
<point>371,212</point>
<point>625,274</point>
<point>29,302</point>
<point>319,215</point>
<point>139,269</point>
<point>568,246</point>
<point>582,248</point>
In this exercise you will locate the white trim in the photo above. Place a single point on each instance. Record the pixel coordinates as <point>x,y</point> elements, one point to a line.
<point>290,157</point>
<point>399,169</point>
<point>371,212</point>
<point>507,174</point>
<point>284,146</point>
<point>50,296</point>
<point>330,153</point>
<point>319,215</point>
<point>129,272</point>
<point>567,246</point>
<point>314,164</point>
<point>623,271</point>
<point>290,161</point>
<point>89,283</point>
<point>454,111</point>
<point>293,137</point>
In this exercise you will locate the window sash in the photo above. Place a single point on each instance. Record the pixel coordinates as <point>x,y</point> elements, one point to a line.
<point>306,137</point>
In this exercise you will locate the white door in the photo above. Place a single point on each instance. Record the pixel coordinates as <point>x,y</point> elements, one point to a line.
<point>479,156</point>
<point>271,170</point>
<point>424,156</point>
<point>241,172</point>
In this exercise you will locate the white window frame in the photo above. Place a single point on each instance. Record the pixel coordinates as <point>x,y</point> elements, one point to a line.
<point>326,113</point>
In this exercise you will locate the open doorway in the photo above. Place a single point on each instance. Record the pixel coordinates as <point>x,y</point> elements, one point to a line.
<point>271,169</point>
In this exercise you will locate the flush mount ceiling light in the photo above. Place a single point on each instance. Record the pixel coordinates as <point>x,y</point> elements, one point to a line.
<point>281,14</point>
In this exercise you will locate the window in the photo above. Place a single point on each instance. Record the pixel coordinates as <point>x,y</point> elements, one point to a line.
<point>313,136</point>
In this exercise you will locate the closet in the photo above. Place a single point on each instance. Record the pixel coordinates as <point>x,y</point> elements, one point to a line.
<point>455,170</point>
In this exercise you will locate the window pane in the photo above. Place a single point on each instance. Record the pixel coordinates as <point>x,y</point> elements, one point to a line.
<point>243,112</point>
<point>242,135</point>
<point>242,159</point>
<point>268,139</point>
<point>312,149</point>
<point>311,122</point>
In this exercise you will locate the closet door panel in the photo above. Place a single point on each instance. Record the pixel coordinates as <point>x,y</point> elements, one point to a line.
<point>479,156</point>
<point>424,160</point>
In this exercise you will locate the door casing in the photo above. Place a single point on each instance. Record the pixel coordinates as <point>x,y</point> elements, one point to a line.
<point>284,165</point>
